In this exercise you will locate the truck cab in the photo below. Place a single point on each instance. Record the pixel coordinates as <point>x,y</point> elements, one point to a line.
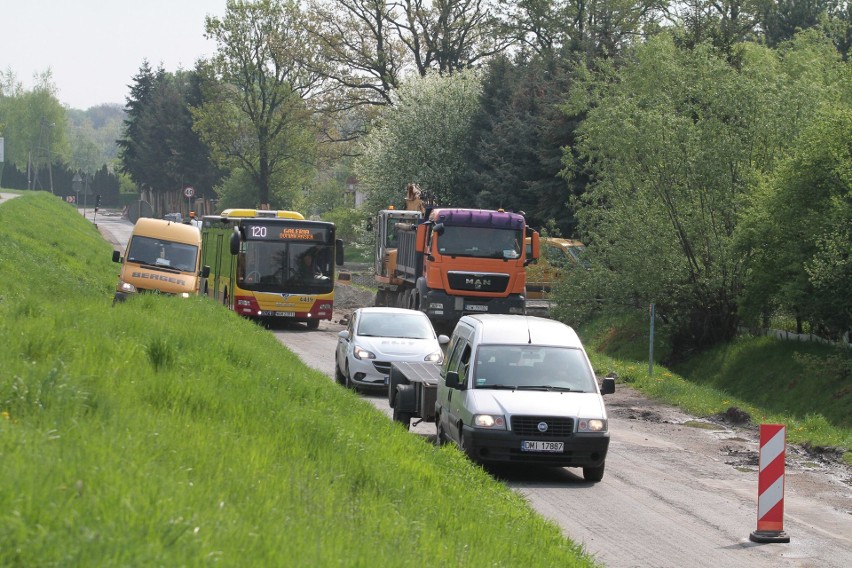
<point>161,256</point>
<point>521,389</point>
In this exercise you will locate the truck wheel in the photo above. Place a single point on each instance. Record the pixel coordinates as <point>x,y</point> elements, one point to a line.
<point>594,474</point>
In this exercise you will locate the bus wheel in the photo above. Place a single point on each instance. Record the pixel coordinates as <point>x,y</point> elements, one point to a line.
<point>312,323</point>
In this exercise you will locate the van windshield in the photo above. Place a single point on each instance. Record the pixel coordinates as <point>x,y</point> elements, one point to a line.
<point>532,367</point>
<point>165,254</point>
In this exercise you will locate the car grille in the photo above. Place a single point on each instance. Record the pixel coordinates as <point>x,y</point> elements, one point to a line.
<point>557,427</point>
<point>382,366</point>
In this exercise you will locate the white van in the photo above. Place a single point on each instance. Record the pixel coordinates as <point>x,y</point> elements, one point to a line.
<point>521,389</point>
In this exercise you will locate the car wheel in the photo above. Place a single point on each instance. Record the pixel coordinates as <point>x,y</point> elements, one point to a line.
<point>348,380</point>
<point>338,374</point>
<point>440,437</point>
<point>594,474</point>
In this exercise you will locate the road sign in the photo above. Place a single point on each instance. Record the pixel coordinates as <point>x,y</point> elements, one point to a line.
<point>188,192</point>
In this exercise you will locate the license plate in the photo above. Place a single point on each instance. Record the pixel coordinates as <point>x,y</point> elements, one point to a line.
<point>278,314</point>
<point>539,446</point>
<point>476,308</point>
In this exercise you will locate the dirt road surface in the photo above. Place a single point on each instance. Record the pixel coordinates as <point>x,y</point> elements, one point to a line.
<point>679,491</point>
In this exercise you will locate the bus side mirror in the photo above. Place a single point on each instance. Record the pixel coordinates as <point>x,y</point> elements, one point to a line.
<point>338,252</point>
<point>116,256</point>
<point>235,243</point>
<point>205,271</point>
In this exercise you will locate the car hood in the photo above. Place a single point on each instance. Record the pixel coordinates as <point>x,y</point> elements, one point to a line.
<point>538,403</point>
<point>391,347</point>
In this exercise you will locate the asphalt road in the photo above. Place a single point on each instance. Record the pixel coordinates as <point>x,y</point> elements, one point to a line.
<point>678,491</point>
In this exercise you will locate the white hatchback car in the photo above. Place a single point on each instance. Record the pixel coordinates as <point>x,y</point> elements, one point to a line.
<point>379,336</point>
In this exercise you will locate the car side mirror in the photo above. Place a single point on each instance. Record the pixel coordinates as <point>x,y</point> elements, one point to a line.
<point>443,339</point>
<point>454,382</point>
<point>343,334</point>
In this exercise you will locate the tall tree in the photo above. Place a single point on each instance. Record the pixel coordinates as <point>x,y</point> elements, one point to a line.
<point>677,144</point>
<point>34,124</point>
<point>798,228</point>
<point>518,135</point>
<point>159,149</point>
<point>421,139</point>
<point>254,114</point>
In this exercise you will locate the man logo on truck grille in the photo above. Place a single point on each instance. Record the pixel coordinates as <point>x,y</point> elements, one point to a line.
<point>477,283</point>
<point>542,427</point>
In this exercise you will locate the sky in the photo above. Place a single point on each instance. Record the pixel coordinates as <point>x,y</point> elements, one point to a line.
<point>94,48</point>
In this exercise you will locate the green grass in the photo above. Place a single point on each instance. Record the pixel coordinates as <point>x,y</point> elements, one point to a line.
<point>807,386</point>
<point>168,431</point>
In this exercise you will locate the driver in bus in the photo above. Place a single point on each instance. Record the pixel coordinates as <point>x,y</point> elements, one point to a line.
<point>308,267</point>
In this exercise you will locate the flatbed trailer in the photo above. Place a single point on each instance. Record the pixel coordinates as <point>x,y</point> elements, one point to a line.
<point>412,391</point>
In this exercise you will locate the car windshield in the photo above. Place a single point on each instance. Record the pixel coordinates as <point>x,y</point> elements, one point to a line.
<point>532,367</point>
<point>166,254</point>
<point>387,324</point>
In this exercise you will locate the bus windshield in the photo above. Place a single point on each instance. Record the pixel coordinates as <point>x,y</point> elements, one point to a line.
<point>286,266</point>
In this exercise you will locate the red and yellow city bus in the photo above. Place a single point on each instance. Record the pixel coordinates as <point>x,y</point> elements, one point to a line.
<point>271,265</point>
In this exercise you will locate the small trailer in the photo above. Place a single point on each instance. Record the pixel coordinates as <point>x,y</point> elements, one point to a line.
<point>412,391</point>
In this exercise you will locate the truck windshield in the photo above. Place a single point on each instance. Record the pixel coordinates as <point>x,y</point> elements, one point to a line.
<point>532,367</point>
<point>480,242</point>
<point>166,254</point>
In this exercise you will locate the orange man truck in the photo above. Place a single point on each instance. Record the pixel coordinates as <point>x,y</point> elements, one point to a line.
<point>448,262</point>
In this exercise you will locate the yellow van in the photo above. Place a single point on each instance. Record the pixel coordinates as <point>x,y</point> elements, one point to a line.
<point>162,256</point>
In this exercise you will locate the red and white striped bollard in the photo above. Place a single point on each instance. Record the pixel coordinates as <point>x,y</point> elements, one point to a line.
<point>770,485</point>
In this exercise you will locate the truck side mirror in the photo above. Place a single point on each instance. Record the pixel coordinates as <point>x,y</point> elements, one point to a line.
<point>235,243</point>
<point>608,385</point>
<point>453,381</point>
<point>420,242</point>
<point>535,248</point>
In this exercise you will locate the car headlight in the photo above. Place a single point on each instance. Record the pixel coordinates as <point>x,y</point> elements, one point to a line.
<point>591,425</point>
<point>436,357</point>
<point>361,353</point>
<point>491,421</point>
<point>127,288</point>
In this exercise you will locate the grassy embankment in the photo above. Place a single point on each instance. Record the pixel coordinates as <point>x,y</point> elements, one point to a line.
<point>171,432</point>
<point>807,386</point>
